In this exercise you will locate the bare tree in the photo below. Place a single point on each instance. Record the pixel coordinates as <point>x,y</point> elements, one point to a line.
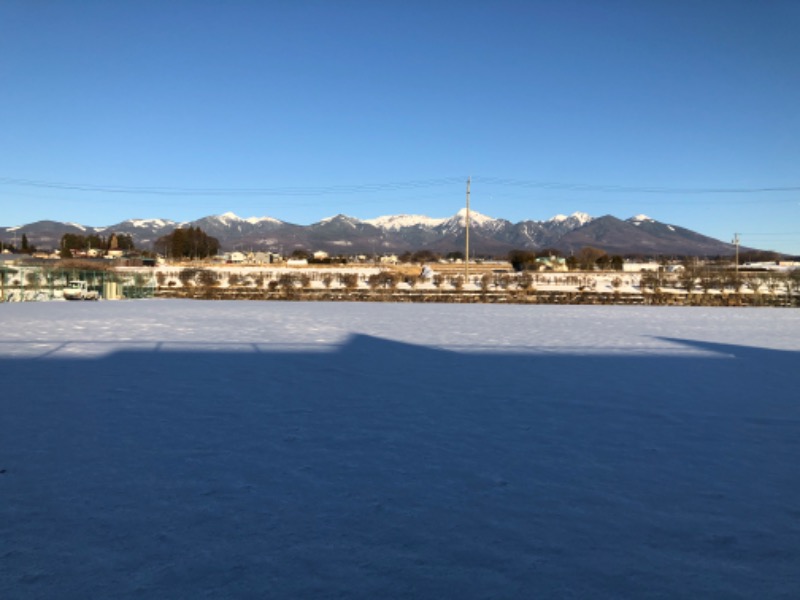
<point>33,279</point>
<point>385,279</point>
<point>207,278</point>
<point>709,280</point>
<point>735,280</point>
<point>588,256</point>
<point>349,280</point>
<point>792,284</point>
<point>687,278</point>
<point>286,281</point>
<point>754,283</point>
<point>773,281</point>
<point>503,281</point>
<point>188,277</point>
<point>525,281</point>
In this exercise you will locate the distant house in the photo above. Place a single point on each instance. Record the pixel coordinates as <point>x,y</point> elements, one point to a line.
<point>297,262</point>
<point>638,267</point>
<point>552,263</point>
<point>389,260</point>
<point>234,257</point>
<point>320,255</point>
<point>262,258</point>
<point>50,255</point>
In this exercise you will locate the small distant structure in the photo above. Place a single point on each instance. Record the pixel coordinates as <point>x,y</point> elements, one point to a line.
<point>234,258</point>
<point>78,253</point>
<point>320,255</point>
<point>297,262</point>
<point>47,255</point>
<point>552,263</point>
<point>391,259</point>
<point>770,265</point>
<point>263,258</point>
<point>638,267</point>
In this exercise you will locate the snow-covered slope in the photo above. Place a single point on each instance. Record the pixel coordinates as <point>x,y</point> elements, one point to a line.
<point>576,218</point>
<point>637,219</point>
<point>396,222</point>
<point>455,225</point>
<point>341,220</point>
<point>154,223</point>
<point>185,449</point>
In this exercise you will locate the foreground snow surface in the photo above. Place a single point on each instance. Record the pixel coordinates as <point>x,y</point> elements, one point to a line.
<point>180,449</point>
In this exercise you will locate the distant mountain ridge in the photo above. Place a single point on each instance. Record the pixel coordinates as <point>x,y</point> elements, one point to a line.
<point>342,234</point>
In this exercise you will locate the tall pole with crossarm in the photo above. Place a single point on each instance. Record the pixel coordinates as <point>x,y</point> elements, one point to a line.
<point>466,229</point>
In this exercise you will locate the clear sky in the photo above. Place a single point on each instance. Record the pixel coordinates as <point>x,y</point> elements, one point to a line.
<point>687,111</point>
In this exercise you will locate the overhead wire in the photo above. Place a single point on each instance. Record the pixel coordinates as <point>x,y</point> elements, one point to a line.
<point>254,191</point>
<point>379,187</point>
<point>636,189</point>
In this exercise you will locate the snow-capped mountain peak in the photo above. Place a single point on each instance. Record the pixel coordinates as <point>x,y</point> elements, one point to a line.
<point>580,218</point>
<point>257,220</point>
<point>397,222</point>
<point>228,217</point>
<point>475,218</point>
<point>640,218</point>
<point>340,218</point>
<point>148,223</point>
<point>231,217</point>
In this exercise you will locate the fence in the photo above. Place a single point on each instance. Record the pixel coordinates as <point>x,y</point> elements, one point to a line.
<point>25,283</point>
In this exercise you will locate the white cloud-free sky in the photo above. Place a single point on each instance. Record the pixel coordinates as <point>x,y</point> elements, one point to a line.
<point>687,112</point>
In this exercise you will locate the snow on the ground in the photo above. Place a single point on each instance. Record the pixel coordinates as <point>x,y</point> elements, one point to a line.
<point>184,449</point>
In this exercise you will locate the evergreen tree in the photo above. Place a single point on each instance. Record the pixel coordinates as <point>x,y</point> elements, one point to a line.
<point>521,260</point>
<point>191,242</point>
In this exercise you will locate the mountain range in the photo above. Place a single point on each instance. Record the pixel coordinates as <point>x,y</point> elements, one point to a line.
<point>638,235</point>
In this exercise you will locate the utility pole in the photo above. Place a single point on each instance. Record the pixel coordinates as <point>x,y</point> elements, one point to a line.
<point>466,228</point>
<point>736,244</point>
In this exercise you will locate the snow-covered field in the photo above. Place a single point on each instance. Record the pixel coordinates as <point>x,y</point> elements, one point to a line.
<point>179,449</point>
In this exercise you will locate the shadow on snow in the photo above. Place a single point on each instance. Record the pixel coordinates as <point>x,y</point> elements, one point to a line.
<point>383,469</point>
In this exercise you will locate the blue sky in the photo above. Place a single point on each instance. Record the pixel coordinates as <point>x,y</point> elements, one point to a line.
<point>300,110</point>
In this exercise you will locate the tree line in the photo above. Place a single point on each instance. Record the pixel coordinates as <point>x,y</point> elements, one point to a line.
<point>74,241</point>
<point>190,242</point>
<point>25,247</point>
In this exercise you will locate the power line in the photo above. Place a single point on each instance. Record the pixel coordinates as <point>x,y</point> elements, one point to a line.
<point>588,187</point>
<point>255,191</point>
<point>325,190</point>
<point>770,234</point>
